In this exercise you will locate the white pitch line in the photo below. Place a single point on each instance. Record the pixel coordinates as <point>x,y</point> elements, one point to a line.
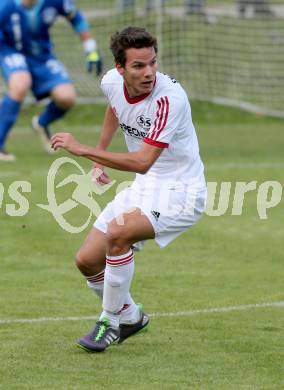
<point>219,309</point>
<point>190,313</point>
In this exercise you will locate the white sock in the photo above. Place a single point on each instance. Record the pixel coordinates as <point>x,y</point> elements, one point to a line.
<point>96,283</point>
<point>118,276</point>
<point>130,313</point>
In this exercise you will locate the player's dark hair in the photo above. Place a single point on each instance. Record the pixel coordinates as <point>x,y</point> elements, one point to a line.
<point>130,37</point>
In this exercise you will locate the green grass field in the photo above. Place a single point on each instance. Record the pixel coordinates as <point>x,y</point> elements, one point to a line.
<point>233,264</point>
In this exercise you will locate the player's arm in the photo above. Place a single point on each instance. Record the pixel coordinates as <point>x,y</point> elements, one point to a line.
<point>139,161</point>
<point>81,26</point>
<point>110,125</point>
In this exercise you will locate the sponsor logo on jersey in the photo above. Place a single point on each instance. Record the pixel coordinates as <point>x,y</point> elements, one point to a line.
<point>144,122</point>
<point>49,15</point>
<point>132,131</point>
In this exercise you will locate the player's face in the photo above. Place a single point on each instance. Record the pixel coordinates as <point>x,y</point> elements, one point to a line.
<point>139,72</point>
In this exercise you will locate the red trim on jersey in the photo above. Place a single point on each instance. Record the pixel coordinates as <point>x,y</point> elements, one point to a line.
<point>161,118</point>
<point>156,120</point>
<point>158,114</point>
<point>156,143</point>
<point>136,99</point>
<point>165,118</point>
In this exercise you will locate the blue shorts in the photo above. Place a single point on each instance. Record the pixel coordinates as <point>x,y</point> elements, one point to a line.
<point>46,73</point>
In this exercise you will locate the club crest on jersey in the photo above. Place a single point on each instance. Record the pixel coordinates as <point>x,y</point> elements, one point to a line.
<point>49,15</point>
<point>144,122</point>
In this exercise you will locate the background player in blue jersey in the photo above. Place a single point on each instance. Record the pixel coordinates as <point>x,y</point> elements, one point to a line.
<point>27,62</point>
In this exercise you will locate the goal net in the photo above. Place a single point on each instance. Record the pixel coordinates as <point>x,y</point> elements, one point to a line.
<point>228,52</point>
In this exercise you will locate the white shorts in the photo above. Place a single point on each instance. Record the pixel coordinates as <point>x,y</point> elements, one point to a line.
<point>171,211</point>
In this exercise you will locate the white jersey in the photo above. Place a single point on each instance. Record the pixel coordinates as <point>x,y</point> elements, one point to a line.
<point>162,119</point>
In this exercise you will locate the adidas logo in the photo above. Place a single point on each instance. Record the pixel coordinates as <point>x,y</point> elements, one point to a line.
<point>110,338</point>
<point>156,214</point>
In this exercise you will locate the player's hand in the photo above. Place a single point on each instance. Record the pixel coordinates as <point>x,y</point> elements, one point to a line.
<point>99,176</point>
<point>94,62</point>
<point>66,141</point>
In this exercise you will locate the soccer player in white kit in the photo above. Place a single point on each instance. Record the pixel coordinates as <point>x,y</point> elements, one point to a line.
<point>167,196</point>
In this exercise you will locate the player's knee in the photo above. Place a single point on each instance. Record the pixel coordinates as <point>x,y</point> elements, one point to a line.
<point>89,264</point>
<point>64,96</point>
<point>116,235</point>
<point>19,85</point>
<point>18,95</point>
<point>66,101</point>
<point>80,260</point>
